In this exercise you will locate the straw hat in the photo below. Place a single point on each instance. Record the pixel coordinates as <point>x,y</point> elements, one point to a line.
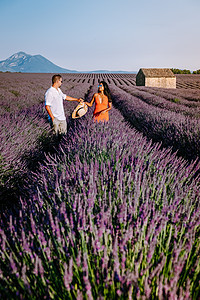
<point>79,111</point>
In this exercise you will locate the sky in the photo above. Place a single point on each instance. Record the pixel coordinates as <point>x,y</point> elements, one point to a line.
<point>87,35</point>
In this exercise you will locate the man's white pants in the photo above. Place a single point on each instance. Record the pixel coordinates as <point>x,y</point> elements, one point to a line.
<point>59,126</point>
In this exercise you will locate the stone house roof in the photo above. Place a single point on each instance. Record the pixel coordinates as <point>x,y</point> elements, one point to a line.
<point>157,72</point>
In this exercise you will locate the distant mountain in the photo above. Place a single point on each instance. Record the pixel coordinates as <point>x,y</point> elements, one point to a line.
<point>107,71</point>
<point>26,63</point>
<point>22,62</point>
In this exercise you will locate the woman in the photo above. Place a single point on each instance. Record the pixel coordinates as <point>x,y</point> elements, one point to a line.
<point>103,103</point>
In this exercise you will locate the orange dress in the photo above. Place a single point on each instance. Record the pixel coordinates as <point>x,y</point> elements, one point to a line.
<point>99,106</point>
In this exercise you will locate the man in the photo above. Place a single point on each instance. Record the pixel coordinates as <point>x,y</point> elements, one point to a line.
<point>54,105</point>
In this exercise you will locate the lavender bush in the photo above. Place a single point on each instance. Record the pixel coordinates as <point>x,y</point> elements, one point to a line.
<point>173,129</point>
<point>188,97</point>
<point>163,99</point>
<point>109,215</point>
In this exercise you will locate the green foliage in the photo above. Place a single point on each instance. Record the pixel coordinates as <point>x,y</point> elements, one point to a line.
<point>196,72</point>
<point>179,71</point>
<point>16,93</point>
<point>175,100</point>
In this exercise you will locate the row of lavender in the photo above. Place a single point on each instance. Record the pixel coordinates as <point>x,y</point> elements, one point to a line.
<point>168,115</point>
<point>111,215</point>
<point>160,124</point>
<point>166,100</point>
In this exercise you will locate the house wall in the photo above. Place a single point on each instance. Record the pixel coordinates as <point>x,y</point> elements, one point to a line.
<point>140,79</point>
<point>163,82</point>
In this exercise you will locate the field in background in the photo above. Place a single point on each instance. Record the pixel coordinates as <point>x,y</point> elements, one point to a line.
<point>110,210</point>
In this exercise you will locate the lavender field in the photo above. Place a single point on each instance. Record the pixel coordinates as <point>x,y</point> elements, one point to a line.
<point>110,211</point>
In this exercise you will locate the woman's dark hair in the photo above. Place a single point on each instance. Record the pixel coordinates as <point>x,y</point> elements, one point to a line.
<point>106,90</point>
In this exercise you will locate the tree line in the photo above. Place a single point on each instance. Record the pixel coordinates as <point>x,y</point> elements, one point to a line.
<point>185,71</point>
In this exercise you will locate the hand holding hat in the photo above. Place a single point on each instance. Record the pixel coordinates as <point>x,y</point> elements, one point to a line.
<point>80,110</point>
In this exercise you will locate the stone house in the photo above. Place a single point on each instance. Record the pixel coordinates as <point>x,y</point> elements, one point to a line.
<point>163,78</point>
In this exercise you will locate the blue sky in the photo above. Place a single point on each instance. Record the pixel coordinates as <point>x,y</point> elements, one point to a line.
<point>108,34</point>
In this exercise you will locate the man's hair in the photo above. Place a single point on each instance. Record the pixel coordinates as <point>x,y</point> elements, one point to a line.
<point>55,78</point>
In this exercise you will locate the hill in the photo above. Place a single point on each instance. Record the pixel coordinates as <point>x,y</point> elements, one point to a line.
<point>26,63</point>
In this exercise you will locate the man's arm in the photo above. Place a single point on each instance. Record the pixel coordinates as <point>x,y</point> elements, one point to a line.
<point>73,99</point>
<point>49,112</point>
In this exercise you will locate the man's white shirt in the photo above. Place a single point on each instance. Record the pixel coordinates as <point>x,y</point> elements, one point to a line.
<point>54,98</point>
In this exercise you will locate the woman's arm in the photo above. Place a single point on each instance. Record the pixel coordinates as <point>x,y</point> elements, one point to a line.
<point>107,109</point>
<point>92,101</point>
<point>109,106</point>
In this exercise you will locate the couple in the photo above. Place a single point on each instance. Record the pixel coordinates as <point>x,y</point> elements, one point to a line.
<point>54,104</point>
